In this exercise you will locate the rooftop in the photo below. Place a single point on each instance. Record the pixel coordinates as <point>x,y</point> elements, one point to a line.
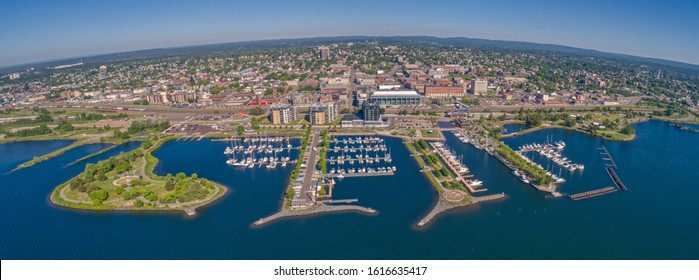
<point>389,93</point>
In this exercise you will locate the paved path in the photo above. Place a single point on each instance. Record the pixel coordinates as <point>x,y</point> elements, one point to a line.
<point>308,172</point>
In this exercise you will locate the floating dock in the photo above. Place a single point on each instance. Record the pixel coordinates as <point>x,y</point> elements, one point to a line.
<point>592,193</point>
<point>615,178</point>
<point>609,157</point>
<point>459,176</point>
<point>361,174</point>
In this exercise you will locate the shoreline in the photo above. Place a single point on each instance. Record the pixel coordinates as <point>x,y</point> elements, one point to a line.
<point>443,206</point>
<point>56,200</point>
<point>189,207</point>
<point>539,128</point>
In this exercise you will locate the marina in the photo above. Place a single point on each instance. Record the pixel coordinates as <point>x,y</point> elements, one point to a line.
<point>269,152</point>
<point>456,166</point>
<point>552,151</point>
<point>360,156</point>
<point>400,202</point>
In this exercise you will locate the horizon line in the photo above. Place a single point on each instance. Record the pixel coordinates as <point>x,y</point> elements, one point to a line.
<point>339,36</point>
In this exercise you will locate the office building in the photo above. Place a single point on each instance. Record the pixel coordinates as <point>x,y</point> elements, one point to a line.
<point>371,111</point>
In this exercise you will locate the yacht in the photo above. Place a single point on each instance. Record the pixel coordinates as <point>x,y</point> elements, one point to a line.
<point>475,183</point>
<point>524,179</point>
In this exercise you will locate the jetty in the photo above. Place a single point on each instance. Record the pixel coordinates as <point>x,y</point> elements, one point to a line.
<point>592,193</point>
<point>312,211</point>
<point>442,206</point>
<point>612,174</point>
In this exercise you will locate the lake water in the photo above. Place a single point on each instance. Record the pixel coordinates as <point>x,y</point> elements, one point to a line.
<point>653,220</point>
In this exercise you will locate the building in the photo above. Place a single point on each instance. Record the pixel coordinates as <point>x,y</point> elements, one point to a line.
<point>155,98</point>
<point>14,76</point>
<point>371,111</point>
<point>395,97</point>
<point>479,87</point>
<point>282,113</point>
<point>444,91</point>
<point>322,113</point>
<point>324,53</point>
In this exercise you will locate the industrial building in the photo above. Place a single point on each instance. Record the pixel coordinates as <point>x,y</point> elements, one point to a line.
<point>395,97</point>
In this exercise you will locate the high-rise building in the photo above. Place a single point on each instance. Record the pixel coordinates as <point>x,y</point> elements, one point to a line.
<point>371,111</point>
<point>282,113</point>
<point>479,87</point>
<point>324,53</point>
<point>322,113</point>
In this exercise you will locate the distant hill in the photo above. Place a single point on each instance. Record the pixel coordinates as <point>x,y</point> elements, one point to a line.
<point>454,41</point>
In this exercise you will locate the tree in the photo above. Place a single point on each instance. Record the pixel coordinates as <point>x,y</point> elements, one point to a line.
<point>169,185</point>
<point>240,130</point>
<point>257,111</point>
<point>215,90</point>
<point>628,130</point>
<point>98,196</point>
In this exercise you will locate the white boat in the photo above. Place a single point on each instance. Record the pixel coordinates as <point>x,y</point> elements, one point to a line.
<point>394,168</point>
<point>340,176</point>
<point>524,179</point>
<point>475,183</point>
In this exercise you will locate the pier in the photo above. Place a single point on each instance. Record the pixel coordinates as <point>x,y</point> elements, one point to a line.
<point>592,193</point>
<point>336,201</point>
<point>453,169</point>
<point>615,178</point>
<point>609,157</point>
<point>362,174</point>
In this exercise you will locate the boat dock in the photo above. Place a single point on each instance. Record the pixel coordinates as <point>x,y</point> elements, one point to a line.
<point>453,169</point>
<point>592,193</point>
<point>615,178</point>
<point>336,201</point>
<point>362,174</point>
<point>609,157</point>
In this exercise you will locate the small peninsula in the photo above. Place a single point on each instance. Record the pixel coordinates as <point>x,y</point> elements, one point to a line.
<point>127,182</point>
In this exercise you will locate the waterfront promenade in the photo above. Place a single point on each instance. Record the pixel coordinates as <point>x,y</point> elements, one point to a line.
<point>306,198</point>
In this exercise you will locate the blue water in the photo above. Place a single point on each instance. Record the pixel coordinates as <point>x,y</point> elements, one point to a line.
<point>653,220</point>
<point>513,127</point>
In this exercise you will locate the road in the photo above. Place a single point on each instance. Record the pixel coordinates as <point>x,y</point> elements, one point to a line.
<point>308,182</point>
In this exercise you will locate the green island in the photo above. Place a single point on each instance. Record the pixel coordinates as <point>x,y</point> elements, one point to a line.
<point>127,182</point>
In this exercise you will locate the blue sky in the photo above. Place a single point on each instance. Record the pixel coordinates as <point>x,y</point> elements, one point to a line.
<point>32,31</point>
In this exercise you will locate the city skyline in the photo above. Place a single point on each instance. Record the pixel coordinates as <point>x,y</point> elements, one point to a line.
<point>39,32</point>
